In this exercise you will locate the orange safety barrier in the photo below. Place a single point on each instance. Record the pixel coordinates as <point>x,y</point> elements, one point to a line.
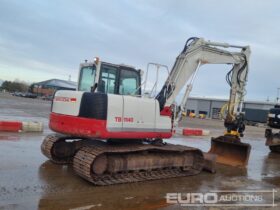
<point>192,132</point>
<point>10,126</point>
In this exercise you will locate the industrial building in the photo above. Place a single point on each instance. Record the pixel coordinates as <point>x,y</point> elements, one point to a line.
<point>48,87</point>
<point>255,111</point>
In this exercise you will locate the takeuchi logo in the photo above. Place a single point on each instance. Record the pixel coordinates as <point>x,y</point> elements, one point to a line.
<point>64,99</point>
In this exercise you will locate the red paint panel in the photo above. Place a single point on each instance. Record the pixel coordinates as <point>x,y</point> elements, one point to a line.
<point>85,127</point>
<point>166,111</point>
<point>192,132</point>
<point>10,126</point>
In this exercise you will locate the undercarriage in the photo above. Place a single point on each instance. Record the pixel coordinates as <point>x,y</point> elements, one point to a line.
<point>114,162</point>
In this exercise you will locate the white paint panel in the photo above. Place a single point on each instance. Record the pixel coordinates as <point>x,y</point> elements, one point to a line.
<point>67,102</point>
<point>115,111</point>
<point>147,112</point>
<point>142,110</point>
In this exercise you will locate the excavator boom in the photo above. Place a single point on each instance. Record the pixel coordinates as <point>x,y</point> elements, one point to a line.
<point>197,52</point>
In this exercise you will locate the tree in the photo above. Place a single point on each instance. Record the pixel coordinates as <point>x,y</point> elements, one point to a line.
<point>14,86</point>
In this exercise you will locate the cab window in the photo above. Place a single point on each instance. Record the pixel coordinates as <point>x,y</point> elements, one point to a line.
<point>129,83</point>
<point>87,77</point>
<point>107,82</point>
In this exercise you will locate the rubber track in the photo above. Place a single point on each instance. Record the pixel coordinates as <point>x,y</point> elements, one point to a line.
<point>47,145</point>
<point>85,157</point>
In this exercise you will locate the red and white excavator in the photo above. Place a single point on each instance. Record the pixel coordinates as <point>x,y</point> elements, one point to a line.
<point>114,134</point>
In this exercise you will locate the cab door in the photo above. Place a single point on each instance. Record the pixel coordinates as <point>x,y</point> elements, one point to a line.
<point>129,82</point>
<point>108,79</point>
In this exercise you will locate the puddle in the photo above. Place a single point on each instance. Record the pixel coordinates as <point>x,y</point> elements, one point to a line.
<point>9,138</point>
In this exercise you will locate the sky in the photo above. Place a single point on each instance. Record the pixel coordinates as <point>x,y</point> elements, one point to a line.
<point>41,40</point>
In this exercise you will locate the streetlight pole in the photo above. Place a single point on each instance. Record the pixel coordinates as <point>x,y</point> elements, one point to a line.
<point>277,99</point>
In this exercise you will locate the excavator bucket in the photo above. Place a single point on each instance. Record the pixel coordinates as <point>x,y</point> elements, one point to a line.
<point>230,151</point>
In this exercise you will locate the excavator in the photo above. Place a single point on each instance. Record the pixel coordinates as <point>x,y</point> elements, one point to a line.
<point>112,133</point>
<point>273,122</point>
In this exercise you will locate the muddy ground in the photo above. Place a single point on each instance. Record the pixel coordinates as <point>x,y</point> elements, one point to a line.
<point>29,181</point>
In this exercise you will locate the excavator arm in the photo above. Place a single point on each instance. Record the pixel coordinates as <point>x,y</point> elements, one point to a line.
<point>198,52</point>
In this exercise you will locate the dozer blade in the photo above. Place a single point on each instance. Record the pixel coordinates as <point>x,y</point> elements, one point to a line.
<point>230,150</point>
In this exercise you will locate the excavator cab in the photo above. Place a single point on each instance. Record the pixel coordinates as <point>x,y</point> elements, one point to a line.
<point>109,78</point>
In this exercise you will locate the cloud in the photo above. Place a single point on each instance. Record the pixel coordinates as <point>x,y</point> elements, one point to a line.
<point>41,39</point>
